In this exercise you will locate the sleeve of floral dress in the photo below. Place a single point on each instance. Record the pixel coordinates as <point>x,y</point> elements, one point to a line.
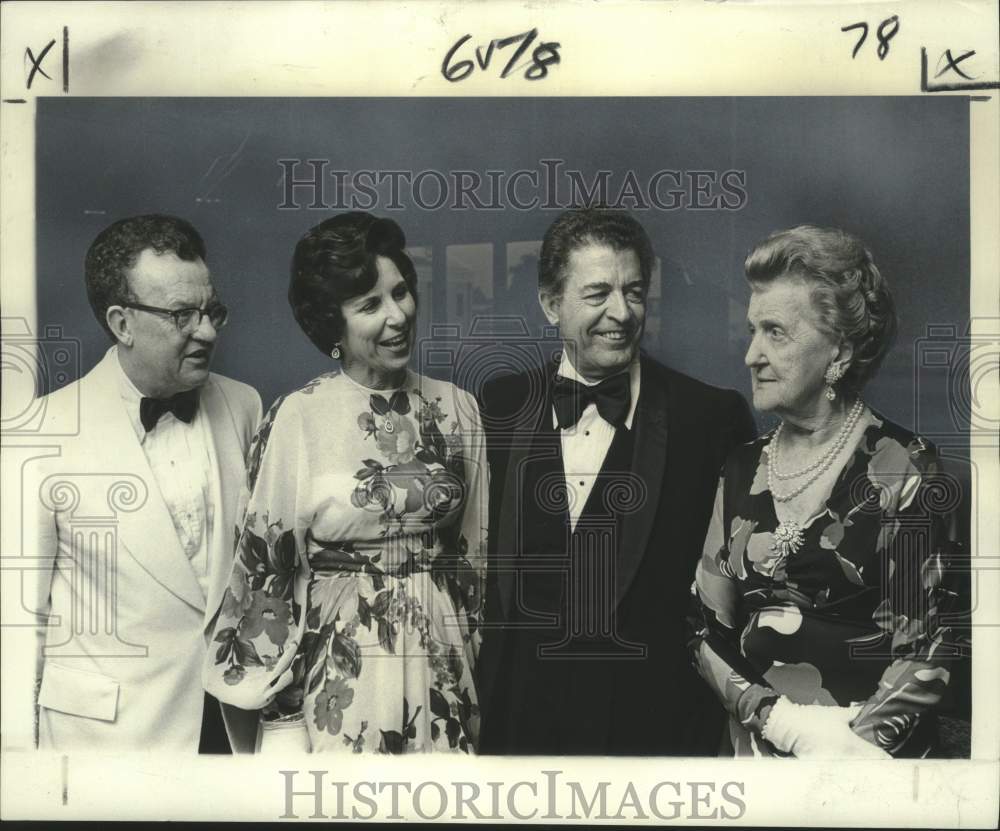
<point>715,623</point>
<point>472,543</point>
<point>257,629</point>
<point>922,596</point>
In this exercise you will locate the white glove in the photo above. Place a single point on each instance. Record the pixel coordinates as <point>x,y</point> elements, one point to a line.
<point>814,731</point>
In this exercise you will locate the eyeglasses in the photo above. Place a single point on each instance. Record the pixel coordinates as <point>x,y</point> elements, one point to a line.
<point>187,321</point>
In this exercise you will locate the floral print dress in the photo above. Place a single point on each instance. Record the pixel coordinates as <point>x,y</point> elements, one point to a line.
<point>863,611</point>
<point>355,599</point>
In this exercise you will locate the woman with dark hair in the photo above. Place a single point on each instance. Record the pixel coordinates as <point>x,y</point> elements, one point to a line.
<point>351,620</point>
<point>821,594</point>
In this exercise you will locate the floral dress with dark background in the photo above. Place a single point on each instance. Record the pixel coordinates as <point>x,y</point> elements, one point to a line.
<point>865,611</point>
<point>355,598</point>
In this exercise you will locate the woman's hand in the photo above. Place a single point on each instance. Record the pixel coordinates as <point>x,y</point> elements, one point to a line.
<point>813,731</point>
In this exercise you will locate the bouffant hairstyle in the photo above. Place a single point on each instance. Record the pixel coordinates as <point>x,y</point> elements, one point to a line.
<point>336,261</point>
<point>115,250</point>
<point>850,295</point>
<point>580,227</point>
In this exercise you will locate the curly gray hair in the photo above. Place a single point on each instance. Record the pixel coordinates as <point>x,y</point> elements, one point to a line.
<point>850,295</point>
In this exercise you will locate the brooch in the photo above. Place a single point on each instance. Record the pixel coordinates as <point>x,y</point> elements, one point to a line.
<point>787,539</point>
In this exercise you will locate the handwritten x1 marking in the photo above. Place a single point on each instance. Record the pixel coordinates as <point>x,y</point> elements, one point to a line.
<point>953,63</point>
<point>36,63</point>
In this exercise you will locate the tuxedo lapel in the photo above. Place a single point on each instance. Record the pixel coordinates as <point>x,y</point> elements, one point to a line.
<point>147,534</point>
<point>509,518</point>
<point>227,480</point>
<point>648,462</point>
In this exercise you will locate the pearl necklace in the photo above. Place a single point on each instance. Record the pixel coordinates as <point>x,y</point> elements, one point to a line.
<point>817,468</point>
<point>789,535</point>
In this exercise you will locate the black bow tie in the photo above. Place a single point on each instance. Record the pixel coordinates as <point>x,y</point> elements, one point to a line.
<point>183,405</point>
<point>612,397</point>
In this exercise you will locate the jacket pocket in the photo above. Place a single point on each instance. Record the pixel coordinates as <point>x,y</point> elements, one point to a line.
<point>78,692</point>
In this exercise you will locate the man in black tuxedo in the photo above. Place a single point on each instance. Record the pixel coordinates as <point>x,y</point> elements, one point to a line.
<point>603,473</point>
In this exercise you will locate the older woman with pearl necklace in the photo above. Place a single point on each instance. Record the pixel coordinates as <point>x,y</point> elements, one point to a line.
<point>821,591</point>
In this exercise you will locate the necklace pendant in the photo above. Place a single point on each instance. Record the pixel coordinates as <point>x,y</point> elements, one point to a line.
<point>788,539</point>
<point>388,426</point>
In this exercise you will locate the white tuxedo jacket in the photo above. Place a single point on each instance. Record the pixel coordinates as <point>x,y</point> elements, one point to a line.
<point>121,614</point>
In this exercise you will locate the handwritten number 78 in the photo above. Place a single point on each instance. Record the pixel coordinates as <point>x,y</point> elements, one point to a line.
<point>886,31</point>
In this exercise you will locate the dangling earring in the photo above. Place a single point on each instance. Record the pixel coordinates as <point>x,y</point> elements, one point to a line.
<point>833,373</point>
<point>335,352</point>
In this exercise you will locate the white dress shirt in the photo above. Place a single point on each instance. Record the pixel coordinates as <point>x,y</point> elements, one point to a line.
<point>586,443</point>
<point>181,457</point>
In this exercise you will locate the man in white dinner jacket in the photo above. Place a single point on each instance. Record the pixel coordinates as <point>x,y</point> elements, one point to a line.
<point>131,523</point>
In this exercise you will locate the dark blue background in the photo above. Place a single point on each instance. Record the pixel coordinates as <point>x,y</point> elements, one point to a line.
<point>893,170</point>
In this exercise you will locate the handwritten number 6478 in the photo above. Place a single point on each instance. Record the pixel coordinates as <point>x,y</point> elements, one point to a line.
<point>542,57</point>
<point>886,31</point>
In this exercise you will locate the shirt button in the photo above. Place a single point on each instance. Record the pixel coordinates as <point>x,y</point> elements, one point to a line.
<point>581,484</point>
<point>586,432</point>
